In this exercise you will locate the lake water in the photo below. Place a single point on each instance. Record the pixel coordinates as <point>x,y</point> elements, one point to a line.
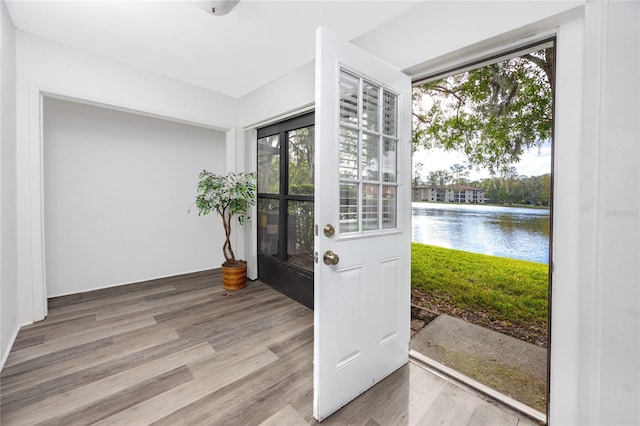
<point>517,233</point>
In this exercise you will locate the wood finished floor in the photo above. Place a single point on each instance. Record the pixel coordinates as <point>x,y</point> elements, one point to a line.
<point>182,350</point>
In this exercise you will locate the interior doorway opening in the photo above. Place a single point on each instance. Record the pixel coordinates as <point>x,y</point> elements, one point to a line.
<point>286,167</point>
<point>470,113</point>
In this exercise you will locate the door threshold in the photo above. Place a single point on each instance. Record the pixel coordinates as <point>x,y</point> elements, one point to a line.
<point>459,378</point>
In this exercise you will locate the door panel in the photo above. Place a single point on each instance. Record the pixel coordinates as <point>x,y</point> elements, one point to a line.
<point>363,160</point>
<point>387,324</point>
<point>286,164</point>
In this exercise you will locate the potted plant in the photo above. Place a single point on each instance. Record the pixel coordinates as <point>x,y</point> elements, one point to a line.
<point>230,195</point>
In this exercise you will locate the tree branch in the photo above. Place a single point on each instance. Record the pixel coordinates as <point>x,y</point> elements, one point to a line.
<point>546,64</point>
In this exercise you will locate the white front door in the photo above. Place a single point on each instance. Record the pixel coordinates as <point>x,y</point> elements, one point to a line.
<point>363,219</point>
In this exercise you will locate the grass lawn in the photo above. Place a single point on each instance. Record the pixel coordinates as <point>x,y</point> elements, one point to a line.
<point>510,290</point>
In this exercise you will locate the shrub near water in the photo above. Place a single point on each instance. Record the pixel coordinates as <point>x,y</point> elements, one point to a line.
<point>505,289</point>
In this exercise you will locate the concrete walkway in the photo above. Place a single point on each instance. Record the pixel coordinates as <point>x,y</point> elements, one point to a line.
<point>511,366</point>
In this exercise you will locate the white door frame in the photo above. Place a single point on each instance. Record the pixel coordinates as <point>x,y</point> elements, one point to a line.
<point>573,245</point>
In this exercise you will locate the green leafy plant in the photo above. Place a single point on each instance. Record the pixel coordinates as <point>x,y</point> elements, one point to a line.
<point>228,195</point>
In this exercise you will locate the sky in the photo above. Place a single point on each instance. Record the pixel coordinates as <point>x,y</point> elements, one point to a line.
<point>534,162</point>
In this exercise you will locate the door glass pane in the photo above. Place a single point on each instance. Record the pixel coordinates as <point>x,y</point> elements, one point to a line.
<point>369,207</point>
<point>268,219</point>
<point>389,114</point>
<point>269,164</point>
<point>389,206</point>
<point>389,160</point>
<point>370,144</point>
<point>348,153</point>
<point>370,104</point>
<point>349,207</point>
<point>349,89</point>
<point>301,161</point>
<point>300,234</point>
<point>368,156</point>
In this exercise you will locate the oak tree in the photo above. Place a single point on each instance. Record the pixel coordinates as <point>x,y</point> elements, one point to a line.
<point>491,114</point>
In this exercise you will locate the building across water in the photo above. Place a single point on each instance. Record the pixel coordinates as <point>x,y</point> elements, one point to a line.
<point>453,194</point>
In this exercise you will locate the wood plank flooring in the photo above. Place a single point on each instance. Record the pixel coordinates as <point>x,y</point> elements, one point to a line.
<point>182,350</point>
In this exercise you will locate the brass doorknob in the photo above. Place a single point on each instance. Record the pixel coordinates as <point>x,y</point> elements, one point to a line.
<point>330,258</point>
<point>329,230</point>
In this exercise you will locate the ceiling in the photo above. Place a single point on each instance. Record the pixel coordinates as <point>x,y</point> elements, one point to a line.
<point>257,42</point>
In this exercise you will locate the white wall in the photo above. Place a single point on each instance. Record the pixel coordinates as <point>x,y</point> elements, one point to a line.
<point>117,187</point>
<point>8,237</point>
<point>595,336</point>
<point>617,267</point>
<point>435,29</point>
<point>48,67</point>
<point>424,33</point>
<point>288,95</point>
<point>281,97</point>
<point>52,67</point>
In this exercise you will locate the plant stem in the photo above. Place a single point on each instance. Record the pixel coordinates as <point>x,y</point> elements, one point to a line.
<point>226,220</point>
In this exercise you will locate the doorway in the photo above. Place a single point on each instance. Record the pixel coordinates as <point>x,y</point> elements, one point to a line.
<point>482,264</point>
<point>286,155</point>
<point>101,165</point>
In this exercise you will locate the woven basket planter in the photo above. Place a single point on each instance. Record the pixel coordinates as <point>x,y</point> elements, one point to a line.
<point>234,278</point>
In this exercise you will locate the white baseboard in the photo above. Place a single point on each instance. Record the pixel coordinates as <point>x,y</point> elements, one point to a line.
<point>5,355</point>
